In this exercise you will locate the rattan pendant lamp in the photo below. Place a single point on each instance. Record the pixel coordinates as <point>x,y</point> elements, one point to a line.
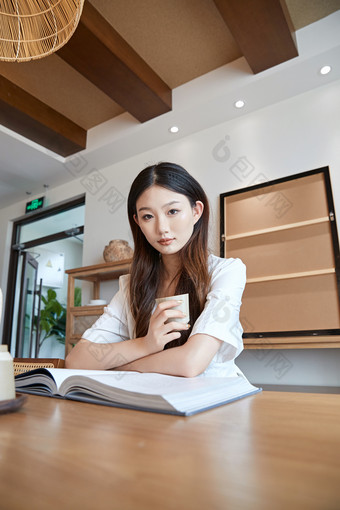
<point>31,29</point>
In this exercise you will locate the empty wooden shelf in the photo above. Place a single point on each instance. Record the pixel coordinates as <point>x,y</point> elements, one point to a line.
<point>285,232</point>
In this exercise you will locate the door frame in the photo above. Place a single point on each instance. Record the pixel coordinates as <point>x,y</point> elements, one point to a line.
<point>17,247</point>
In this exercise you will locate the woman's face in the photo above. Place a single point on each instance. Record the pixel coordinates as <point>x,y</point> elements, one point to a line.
<point>166,218</point>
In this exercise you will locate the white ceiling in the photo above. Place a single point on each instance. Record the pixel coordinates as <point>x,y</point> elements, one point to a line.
<point>198,104</point>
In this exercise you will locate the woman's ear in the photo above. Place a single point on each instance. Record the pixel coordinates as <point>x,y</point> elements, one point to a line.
<point>136,219</point>
<point>197,210</point>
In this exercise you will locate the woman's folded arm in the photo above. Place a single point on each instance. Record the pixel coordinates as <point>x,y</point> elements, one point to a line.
<point>188,360</point>
<point>103,356</point>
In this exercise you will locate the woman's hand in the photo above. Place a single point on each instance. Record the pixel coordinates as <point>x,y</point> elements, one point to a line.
<point>162,329</point>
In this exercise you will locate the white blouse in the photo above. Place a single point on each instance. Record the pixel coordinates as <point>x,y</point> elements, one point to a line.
<point>219,318</point>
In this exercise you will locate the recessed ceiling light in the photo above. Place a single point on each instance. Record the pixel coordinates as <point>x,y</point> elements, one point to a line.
<point>239,104</point>
<point>174,129</point>
<point>325,69</point>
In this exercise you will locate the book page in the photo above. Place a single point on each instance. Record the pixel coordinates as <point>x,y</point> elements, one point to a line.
<point>61,374</point>
<point>148,391</point>
<point>152,383</point>
<point>154,391</point>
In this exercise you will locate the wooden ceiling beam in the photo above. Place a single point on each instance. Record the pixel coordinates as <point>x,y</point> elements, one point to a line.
<point>33,119</point>
<point>100,54</point>
<point>262,29</point>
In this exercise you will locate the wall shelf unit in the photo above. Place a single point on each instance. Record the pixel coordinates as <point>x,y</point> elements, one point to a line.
<point>79,318</point>
<point>285,232</point>
<point>279,228</point>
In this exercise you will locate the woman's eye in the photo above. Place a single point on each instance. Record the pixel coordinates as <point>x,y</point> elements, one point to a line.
<point>173,211</point>
<point>147,217</point>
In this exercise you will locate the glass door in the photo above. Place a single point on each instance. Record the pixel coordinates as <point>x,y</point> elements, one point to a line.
<point>44,244</point>
<point>27,332</point>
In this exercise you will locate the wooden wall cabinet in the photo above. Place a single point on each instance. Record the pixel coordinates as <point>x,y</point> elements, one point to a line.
<point>285,232</point>
<point>79,318</point>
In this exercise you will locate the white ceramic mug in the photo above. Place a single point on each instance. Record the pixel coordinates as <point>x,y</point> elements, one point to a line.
<point>183,306</point>
<point>97,302</point>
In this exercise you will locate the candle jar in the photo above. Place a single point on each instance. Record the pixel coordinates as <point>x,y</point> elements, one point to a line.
<point>7,384</point>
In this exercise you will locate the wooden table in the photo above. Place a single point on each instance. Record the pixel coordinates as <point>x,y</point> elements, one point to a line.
<point>270,451</point>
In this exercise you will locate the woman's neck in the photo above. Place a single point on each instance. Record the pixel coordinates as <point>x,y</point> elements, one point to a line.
<point>169,275</point>
<point>170,266</point>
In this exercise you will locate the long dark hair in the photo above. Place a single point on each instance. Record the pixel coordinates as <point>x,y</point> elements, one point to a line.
<point>194,276</point>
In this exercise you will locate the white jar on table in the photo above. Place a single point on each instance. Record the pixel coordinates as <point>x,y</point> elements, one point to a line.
<point>7,384</point>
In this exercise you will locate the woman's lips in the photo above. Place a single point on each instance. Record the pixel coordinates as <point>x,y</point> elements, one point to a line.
<point>165,242</point>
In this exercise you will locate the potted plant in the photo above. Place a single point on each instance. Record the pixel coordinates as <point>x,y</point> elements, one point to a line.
<point>53,316</point>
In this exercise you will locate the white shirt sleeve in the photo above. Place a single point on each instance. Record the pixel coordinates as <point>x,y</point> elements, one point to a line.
<point>220,317</point>
<point>112,325</point>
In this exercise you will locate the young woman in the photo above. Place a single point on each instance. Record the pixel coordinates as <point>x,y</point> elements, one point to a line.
<point>169,216</point>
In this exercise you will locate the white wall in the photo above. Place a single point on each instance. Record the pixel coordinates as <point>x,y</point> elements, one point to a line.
<point>292,136</point>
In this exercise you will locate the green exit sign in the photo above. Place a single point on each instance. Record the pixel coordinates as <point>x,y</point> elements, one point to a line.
<point>35,204</point>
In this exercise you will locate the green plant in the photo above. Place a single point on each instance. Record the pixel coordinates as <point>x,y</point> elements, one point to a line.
<point>52,318</point>
<point>77,296</point>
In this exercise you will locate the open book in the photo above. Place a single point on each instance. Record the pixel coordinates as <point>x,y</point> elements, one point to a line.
<point>133,390</point>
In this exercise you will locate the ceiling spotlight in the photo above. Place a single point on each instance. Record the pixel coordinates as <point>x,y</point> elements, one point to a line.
<point>325,69</point>
<point>174,129</point>
<point>239,104</point>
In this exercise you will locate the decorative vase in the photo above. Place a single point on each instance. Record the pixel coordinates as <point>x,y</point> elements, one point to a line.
<point>117,249</point>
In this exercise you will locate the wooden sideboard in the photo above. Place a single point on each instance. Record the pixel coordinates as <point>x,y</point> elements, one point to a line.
<point>79,318</point>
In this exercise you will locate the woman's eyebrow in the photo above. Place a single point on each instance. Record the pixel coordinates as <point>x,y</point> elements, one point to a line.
<point>163,206</point>
<point>170,203</point>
